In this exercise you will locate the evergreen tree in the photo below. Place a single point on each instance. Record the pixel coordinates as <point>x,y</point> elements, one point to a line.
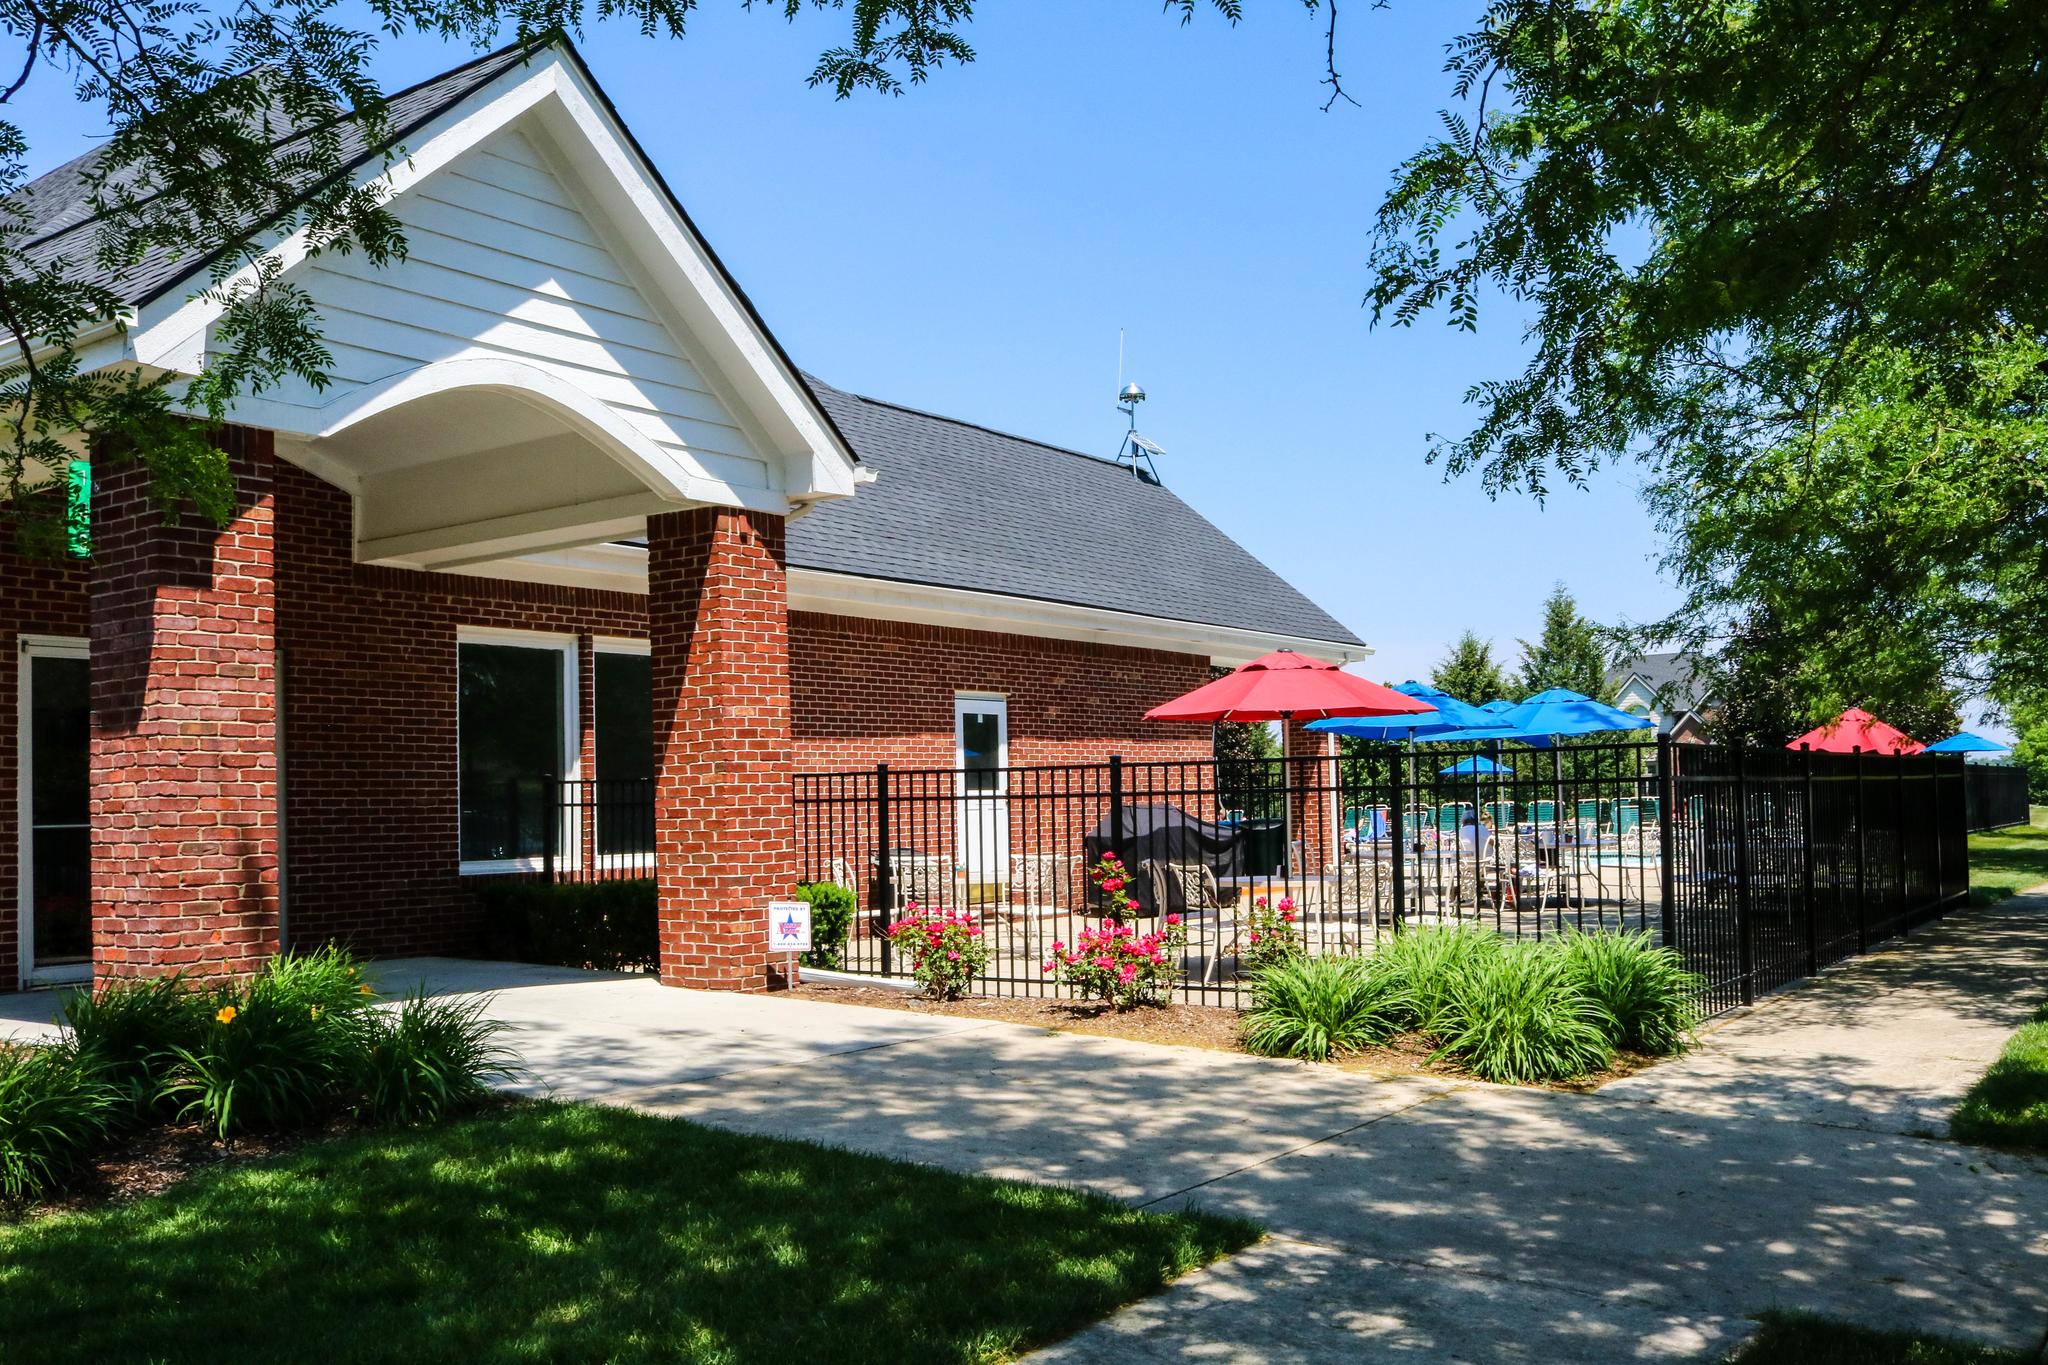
<point>1470,672</point>
<point>1569,653</point>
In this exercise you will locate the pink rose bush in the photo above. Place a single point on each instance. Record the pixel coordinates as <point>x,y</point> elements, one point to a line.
<point>1272,935</point>
<point>945,948</point>
<point>1115,962</point>
<point>1118,964</point>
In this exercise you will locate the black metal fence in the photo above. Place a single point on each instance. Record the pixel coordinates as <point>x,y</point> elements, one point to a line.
<point>1995,795</point>
<point>1759,867</point>
<point>602,830</point>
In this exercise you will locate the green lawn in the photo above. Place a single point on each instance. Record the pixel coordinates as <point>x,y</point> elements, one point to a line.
<point>572,1233</point>
<point>2008,862</point>
<point>1798,1339</point>
<point>2008,1106</point>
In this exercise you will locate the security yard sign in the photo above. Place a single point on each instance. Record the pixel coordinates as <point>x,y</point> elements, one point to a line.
<point>789,926</point>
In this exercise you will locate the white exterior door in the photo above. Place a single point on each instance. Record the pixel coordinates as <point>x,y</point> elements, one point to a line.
<point>981,745</point>
<point>54,801</point>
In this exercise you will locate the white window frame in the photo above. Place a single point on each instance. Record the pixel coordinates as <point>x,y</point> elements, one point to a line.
<point>607,644</point>
<point>570,839</point>
<point>28,647</point>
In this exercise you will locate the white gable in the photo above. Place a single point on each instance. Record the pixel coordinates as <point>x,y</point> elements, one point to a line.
<point>557,357</point>
<point>503,263</point>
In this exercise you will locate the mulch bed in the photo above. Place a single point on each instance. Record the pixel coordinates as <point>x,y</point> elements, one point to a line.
<point>1203,1026</point>
<point>153,1159</point>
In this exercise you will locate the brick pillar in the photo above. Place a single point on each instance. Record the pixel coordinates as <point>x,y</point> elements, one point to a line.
<point>184,728</point>
<point>718,619</point>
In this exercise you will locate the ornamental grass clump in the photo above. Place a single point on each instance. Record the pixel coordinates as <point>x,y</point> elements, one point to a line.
<point>55,1110</point>
<point>1519,1015</point>
<point>131,1030</point>
<point>945,948</point>
<point>1429,961</point>
<point>1644,988</point>
<point>1315,1008</point>
<point>280,1050</point>
<point>427,1059</point>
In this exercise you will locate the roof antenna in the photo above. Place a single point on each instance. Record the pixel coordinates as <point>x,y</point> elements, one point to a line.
<point>1134,449</point>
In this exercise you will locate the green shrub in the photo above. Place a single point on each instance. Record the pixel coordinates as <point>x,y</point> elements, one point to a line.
<point>54,1110</point>
<point>1428,961</point>
<point>131,1030</point>
<point>427,1059</point>
<point>608,926</point>
<point>327,982</point>
<point>1517,1014</point>
<point>277,1052</point>
<point>1645,989</point>
<point>1317,1007</point>
<point>832,909</point>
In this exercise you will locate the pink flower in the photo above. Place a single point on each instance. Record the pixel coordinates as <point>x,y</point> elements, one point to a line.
<point>952,956</point>
<point>1286,904</point>
<point>1255,936</point>
<point>1173,919</point>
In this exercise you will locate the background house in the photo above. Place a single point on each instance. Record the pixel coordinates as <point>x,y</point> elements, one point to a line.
<point>1667,689</point>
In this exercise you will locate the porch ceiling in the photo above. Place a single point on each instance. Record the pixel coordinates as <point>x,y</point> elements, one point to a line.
<point>446,477</point>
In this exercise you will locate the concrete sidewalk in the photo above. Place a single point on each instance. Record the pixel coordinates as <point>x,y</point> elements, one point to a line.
<point>1420,1217</point>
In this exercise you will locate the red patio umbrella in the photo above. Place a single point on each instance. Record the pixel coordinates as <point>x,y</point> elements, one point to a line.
<point>1857,729</point>
<point>1287,686</point>
<point>1284,685</point>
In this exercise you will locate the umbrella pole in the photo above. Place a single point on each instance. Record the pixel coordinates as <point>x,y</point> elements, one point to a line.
<point>1286,798</point>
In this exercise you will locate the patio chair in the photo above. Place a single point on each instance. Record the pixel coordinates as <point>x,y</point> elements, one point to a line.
<point>1189,890</point>
<point>1546,812</point>
<point>1502,813</point>
<point>1627,815</point>
<point>1040,883</point>
<point>928,879</point>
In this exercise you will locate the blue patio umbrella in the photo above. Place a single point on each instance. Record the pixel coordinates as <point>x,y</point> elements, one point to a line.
<point>1451,716</point>
<point>1966,743</point>
<point>1478,763</point>
<point>1498,705</point>
<point>1561,712</point>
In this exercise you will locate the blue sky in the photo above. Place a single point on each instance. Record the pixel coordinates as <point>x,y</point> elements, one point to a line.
<point>974,246</point>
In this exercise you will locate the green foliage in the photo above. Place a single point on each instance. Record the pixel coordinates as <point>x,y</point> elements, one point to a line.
<point>1315,1008</point>
<point>1644,989</point>
<point>832,910</point>
<point>427,1059</point>
<point>131,1029</point>
<point>2030,745</point>
<point>264,1061</point>
<point>608,925</point>
<point>581,1233</point>
<point>1247,773</point>
<point>1521,1015</point>
<point>1470,672</point>
<point>55,1108</point>
<point>2008,1106</point>
<point>1884,555</point>
<point>1781,257</point>
<point>1427,961</point>
<point>1569,652</point>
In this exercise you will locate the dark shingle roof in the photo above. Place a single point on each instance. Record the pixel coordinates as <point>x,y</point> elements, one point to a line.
<point>60,216</point>
<point>959,506</point>
<point>1671,677</point>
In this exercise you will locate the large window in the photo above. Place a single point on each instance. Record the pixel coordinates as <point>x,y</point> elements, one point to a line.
<point>513,728</point>
<point>625,750</point>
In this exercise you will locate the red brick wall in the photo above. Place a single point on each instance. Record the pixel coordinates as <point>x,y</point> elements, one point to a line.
<point>865,692</point>
<point>37,597</point>
<point>719,621</point>
<point>369,661</point>
<point>184,728</point>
